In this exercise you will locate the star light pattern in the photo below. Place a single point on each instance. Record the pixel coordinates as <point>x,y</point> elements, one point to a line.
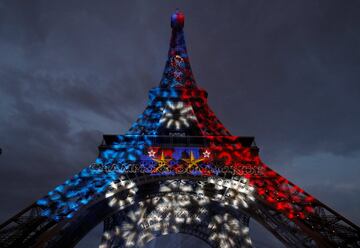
<point>162,163</point>
<point>192,162</point>
<point>151,153</point>
<point>206,154</point>
<point>178,160</point>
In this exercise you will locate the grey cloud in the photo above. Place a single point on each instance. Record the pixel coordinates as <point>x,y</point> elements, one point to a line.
<point>284,72</point>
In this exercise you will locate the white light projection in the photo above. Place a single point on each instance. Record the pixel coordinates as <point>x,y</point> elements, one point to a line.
<point>226,229</point>
<point>172,208</point>
<point>238,192</point>
<point>177,115</point>
<point>206,154</point>
<point>114,188</point>
<point>145,223</point>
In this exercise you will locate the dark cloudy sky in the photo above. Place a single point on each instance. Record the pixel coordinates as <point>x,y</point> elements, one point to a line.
<point>287,72</point>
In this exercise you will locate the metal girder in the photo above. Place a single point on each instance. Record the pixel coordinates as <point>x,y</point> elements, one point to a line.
<point>323,228</point>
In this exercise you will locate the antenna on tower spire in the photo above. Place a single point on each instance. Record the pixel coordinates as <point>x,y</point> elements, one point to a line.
<point>177,72</point>
<point>177,19</point>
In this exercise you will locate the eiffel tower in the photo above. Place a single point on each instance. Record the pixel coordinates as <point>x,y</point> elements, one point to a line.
<point>177,170</point>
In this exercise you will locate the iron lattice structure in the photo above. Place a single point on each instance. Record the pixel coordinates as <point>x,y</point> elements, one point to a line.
<point>177,169</point>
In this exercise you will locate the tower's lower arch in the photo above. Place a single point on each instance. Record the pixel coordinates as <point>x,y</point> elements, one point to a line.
<point>177,206</point>
<point>136,210</point>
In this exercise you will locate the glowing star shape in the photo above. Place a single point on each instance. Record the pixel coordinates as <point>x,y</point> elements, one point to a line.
<point>206,154</point>
<point>162,162</point>
<point>192,162</point>
<point>151,153</point>
<point>177,115</point>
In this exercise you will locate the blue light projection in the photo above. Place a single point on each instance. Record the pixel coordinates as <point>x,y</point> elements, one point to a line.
<point>94,180</point>
<point>115,160</point>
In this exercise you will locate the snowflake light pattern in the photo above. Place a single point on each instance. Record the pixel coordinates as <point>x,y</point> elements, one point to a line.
<point>177,115</point>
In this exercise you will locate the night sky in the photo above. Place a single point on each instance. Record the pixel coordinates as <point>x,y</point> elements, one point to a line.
<point>286,72</point>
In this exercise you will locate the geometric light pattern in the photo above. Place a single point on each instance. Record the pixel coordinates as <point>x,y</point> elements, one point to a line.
<point>225,228</point>
<point>168,211</point>
<point>177,115</point>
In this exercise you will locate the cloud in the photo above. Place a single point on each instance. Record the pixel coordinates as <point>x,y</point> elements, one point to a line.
<point>285,73</point>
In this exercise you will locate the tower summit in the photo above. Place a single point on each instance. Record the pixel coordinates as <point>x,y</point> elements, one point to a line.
<point>178,107</point>
<point>177,70</point>
<point>177,19</point>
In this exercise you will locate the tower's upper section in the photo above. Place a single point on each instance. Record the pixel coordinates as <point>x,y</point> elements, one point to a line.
<point>177,107</point>
<point>177,70</point>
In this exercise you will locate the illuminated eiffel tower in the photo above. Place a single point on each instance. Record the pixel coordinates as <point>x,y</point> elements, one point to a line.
<point>177,170</point>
